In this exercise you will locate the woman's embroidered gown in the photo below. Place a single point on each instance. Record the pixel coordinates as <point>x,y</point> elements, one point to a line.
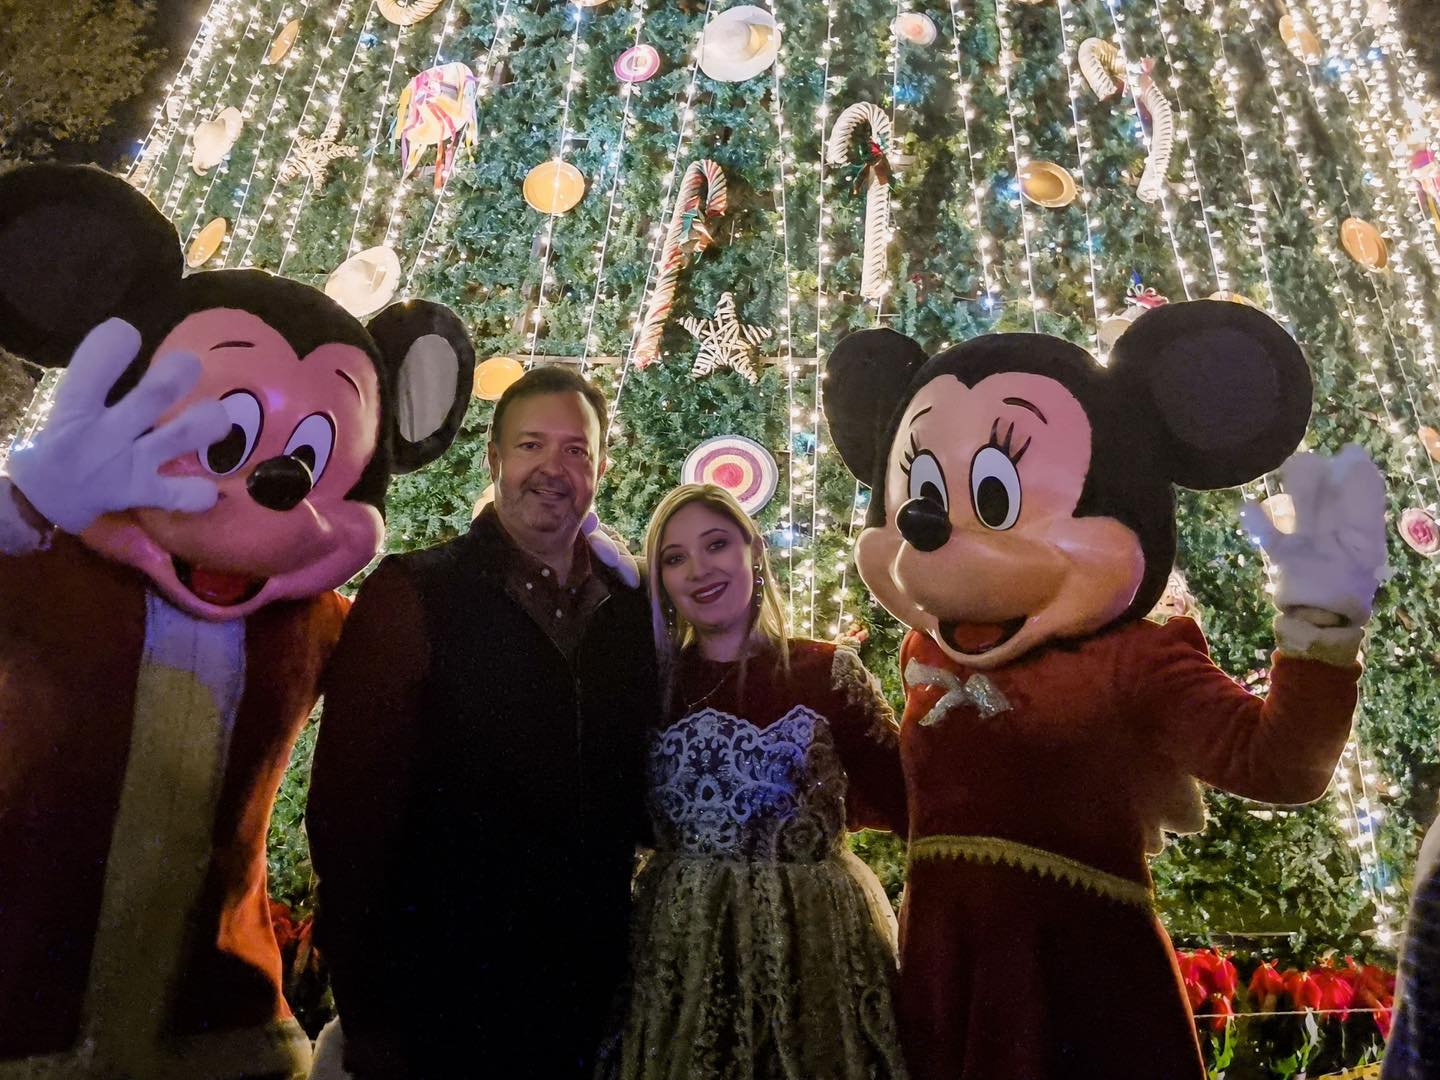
<point>762,949</point>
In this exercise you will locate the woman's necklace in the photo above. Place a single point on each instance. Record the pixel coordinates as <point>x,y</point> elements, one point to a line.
<point>697,702</point>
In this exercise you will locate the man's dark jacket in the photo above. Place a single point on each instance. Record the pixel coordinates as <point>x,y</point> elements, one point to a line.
<point>474,810</point>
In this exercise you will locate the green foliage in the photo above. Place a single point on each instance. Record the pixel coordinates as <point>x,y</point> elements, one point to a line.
<point>1288,873</point>
<point>63,69</point>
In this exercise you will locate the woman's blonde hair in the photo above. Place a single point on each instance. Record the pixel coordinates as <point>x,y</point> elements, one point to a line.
<point>673,632</point>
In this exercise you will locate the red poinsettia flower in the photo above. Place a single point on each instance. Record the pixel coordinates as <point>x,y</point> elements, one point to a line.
<point>1209,980</point>
<point>1301,989</point>
<point>1374,990</point>
<point>1336,989</point>
<point>1266,986</point>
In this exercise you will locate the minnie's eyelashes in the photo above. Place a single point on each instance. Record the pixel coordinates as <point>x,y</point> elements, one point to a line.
<point>910,455</point>
<point>1004,447</point>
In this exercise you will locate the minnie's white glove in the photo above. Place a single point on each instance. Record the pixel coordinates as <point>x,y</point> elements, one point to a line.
<point>610,551</point>
<point>90,460</point>
<point>1334,559</point>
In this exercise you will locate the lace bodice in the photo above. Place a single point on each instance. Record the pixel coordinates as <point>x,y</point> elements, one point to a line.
<point>720,786</point>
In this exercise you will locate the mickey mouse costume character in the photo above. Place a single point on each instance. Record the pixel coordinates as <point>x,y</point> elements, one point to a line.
<point>214,466</point>
<point>1023,523</point>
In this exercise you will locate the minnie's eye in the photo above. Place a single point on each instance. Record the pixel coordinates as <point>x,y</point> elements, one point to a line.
<point>995,488</point>
<point>927,479</point>
<point>311,444</point>
<point>246,420</point>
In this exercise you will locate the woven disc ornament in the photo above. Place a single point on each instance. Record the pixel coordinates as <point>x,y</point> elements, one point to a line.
<point>283,40</point>
<point>915,27</point>
<point>494,376</point>
<point>206,243</point>
<point>1363,243</point>
<point>741,466</point>
<point>1303,45</point>
<point>553,187</point>
<point>638,63</point>
<point>1047,184</point>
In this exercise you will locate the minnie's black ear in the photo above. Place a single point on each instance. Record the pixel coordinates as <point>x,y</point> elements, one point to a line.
<point>431,368</point>
<point>1224,381</point>
<point>865,381</point>
<point>77,246</point>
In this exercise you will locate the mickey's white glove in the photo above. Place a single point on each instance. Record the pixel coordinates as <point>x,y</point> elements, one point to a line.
<point>90,460</point>
<point>1334,559</point>
<point>610,551</point>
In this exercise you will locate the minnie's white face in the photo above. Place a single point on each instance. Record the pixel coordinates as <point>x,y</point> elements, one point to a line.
<point>706,568</point>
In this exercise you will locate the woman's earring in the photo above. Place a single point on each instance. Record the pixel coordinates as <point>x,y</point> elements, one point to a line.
<point>759,587</point>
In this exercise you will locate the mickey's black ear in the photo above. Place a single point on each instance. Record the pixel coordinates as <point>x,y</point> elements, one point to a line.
<point>865,380</point>
<point>1225,381</point>
<point>77,246</point>
<point>432,368</point>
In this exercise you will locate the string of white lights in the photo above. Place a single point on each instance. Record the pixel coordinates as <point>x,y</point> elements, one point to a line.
<point>162,128</point>
<point>547,277</point>
<point>332,103</point>
<point>199,216</point>
<point>1364,841</point>
<point>684,129</point>
<point>1018,157</point>
<point>183,178</point>
<point>1133,77</point>
<point>499,48</point>
<point>984,242</point>
<point>1193,185</point>
<point>277,101</point>
<point>318,78</point>
<point>1080,132</point>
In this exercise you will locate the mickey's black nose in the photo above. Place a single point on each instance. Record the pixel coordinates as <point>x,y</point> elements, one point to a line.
<point>279,483</point>
<point>924,524</point>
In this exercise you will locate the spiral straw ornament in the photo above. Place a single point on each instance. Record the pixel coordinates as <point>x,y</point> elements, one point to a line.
<point>701,176</point>
<point>873,277</point>
<point>1104,71</point>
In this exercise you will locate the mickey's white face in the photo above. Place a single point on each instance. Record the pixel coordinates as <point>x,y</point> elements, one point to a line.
<point>981,548</point>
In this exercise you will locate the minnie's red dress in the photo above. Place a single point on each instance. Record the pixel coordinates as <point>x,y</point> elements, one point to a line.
<point>1036,791</point>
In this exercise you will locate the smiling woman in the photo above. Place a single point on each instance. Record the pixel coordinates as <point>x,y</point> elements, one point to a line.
<point>771,748</point>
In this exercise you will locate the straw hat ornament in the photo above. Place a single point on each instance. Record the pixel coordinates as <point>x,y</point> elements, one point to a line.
<point>213,139</point>
<point>365,282</point>
<point>1047,184</point>
<point>739,44</point>
<point>407,12</point>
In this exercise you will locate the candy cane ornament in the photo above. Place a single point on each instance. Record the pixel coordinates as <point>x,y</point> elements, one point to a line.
<point>873,276</point>
<point>687,224</point>
<point>1104,71</point>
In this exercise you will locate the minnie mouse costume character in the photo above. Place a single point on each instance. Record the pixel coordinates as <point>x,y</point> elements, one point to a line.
<point>215,464</point>
<point>1023,524</point>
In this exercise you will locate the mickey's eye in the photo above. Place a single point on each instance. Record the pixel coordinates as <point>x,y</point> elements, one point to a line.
<point>311,444</point>
<point>246,419</point>
<point>927,479</point>
<point>995,488</point>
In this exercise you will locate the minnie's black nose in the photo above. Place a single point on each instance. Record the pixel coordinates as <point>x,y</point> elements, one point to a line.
<point>279,483</point>
<point>924,524</point>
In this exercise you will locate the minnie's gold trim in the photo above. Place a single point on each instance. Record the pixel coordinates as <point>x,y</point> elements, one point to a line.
<point>991,849</point>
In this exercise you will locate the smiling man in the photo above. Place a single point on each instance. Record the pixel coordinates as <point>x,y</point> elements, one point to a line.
<point>476,796</point>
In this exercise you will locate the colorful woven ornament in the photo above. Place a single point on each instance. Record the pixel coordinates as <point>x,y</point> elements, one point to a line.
<point>437,108</point>
<point>689,234</point>
<point>741,466</point>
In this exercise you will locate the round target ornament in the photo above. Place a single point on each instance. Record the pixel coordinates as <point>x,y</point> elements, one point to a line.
<point>741,466</point>
<point>1419,529</point>
<point>637,64</point>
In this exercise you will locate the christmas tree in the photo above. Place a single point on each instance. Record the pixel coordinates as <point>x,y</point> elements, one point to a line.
<point>564,174</point>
